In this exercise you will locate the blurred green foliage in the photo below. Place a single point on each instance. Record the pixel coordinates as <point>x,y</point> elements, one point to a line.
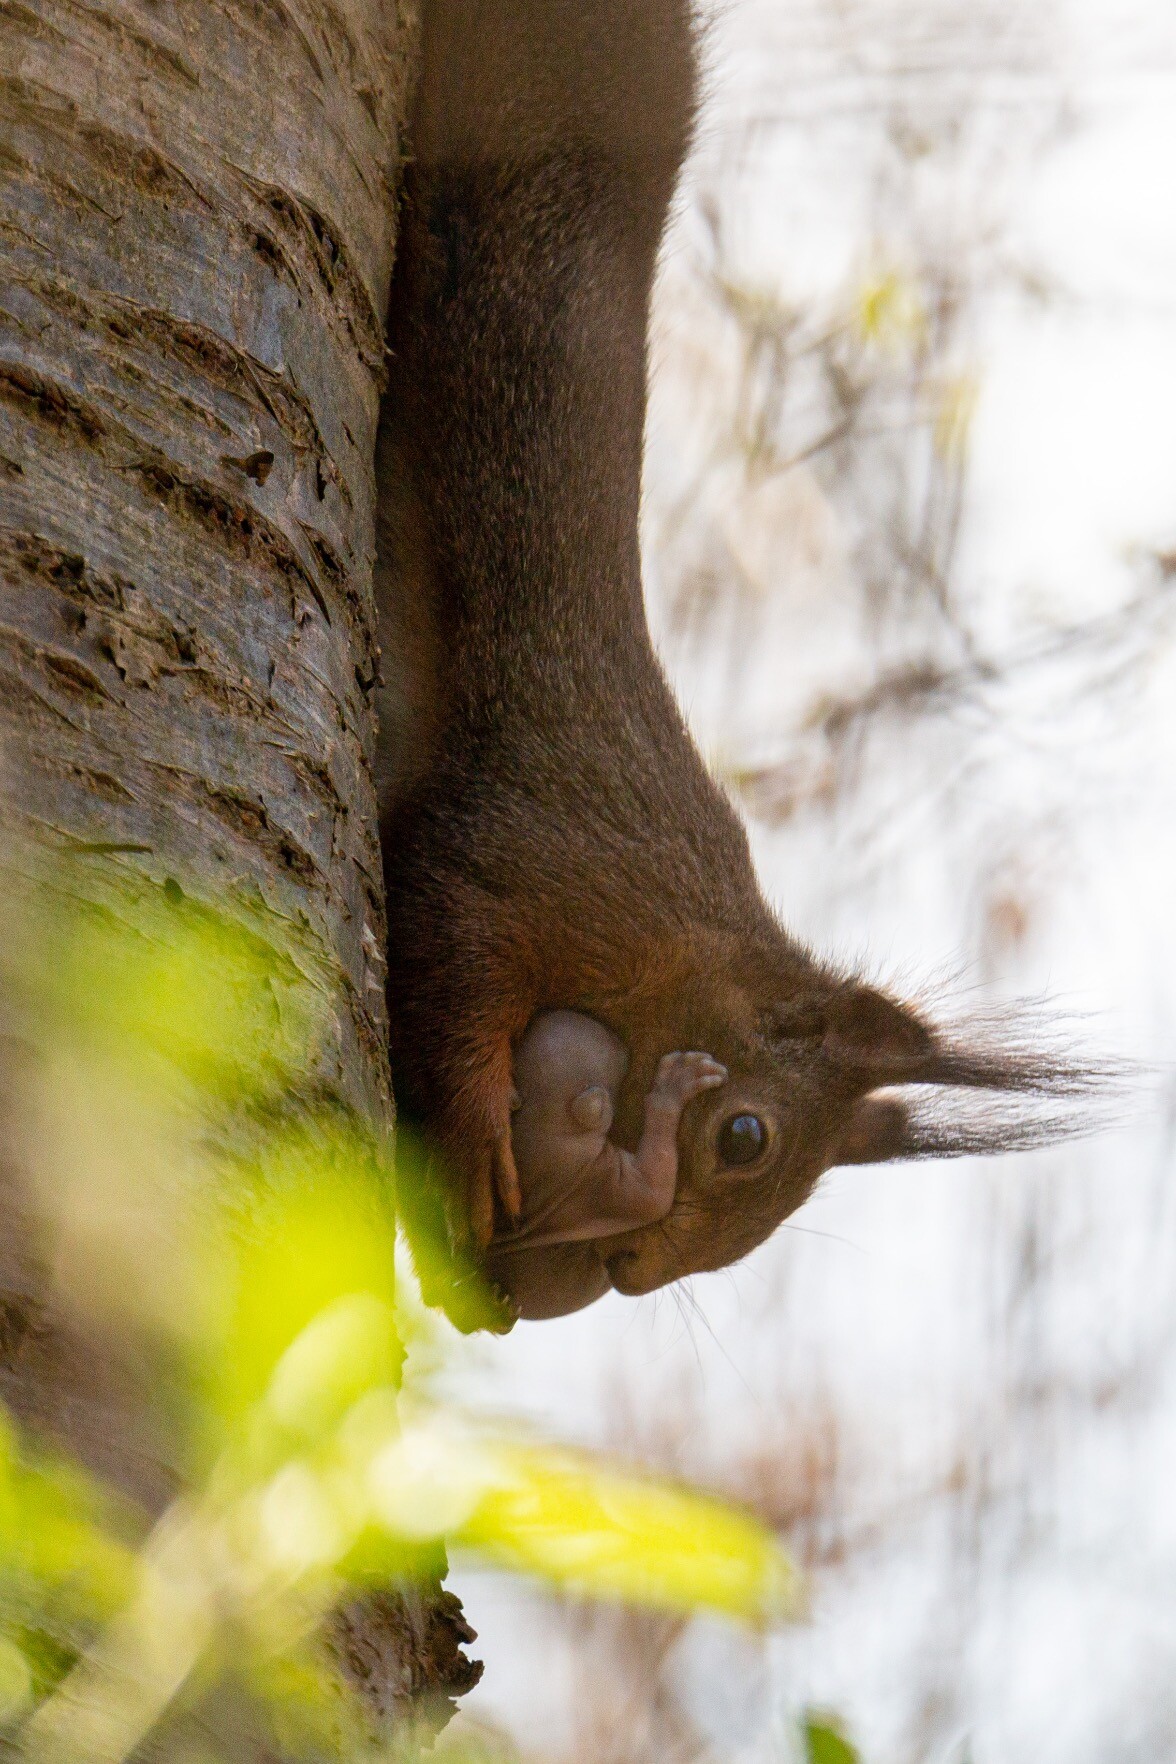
<point>205,1203</point>
<point>825,1743</point>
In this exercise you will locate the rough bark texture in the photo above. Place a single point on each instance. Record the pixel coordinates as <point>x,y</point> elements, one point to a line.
<point>197,230</point>
<point>197,216</point>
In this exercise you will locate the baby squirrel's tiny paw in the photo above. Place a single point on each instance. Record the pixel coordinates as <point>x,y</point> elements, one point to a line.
<point>683,1075</point>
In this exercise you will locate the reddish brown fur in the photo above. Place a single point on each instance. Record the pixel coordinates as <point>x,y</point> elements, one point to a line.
<point>551,836</point>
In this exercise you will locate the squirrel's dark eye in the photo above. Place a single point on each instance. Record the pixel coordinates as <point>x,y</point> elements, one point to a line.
<point>742,1139</point>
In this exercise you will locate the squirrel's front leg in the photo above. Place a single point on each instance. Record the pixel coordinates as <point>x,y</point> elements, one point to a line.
<point>460,990</point>
<point>466,1050</point>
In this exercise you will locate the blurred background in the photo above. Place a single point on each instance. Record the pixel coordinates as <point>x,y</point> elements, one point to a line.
<point>911,563</point>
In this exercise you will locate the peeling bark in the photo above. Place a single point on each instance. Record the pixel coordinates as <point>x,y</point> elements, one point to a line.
<point>196,229</point>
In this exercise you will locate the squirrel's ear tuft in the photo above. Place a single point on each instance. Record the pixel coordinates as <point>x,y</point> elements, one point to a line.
<point>865,1028</point>
<point>931,1096</point>
<point>885,1127</point>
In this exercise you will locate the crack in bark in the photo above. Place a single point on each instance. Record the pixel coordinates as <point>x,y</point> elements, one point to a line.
<point>225,365</point>
<point>239,527</point>
<point>317,777</point>
<point>69,671</point>
<point>52,403</point>
<point>92,778</point>
<point>248,818</point>
<point>319,242</point>
<point>24,18</point>
<point>134,162</point>
<point>122,619</point>
<point>27,707</point>
<point>161,57</point>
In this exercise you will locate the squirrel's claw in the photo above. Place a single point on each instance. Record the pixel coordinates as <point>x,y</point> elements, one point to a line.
<point>506,1180</point>
<point>495,1176</point>
<point>480,1207</point>
<point>478,1136</point>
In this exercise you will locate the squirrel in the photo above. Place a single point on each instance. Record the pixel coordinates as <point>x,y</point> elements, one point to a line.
<point>552,840</point>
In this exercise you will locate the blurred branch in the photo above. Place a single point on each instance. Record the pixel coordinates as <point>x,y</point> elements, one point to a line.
<point>1111,648</point>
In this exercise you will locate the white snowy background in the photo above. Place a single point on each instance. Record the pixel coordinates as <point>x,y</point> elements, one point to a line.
<point>911,525</point>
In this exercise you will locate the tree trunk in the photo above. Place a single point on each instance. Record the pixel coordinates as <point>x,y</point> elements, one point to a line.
<point>197,214</point>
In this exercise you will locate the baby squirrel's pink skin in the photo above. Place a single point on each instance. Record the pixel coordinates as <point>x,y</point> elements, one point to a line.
<point>575,1184</point>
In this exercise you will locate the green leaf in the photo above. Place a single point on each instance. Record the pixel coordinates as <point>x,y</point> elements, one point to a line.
<point>825,1743</point>
<point>568,1519</point>
<point>17,1688</point>
<point>57,1535</point>
<point>307,1225</point>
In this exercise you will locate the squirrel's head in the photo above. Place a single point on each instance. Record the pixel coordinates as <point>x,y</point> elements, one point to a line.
<point>835,1073</point>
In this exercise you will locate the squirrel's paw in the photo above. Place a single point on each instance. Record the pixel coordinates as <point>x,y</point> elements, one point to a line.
<point>683,1075</point>
<point>492,1176</point>
<point>506,1179</point>
<point>478,1123</point>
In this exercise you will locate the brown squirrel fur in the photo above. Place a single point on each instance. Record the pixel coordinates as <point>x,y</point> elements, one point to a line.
<point>551,835</point>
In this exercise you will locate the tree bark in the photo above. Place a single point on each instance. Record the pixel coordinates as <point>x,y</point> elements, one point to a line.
<point>197,216</point>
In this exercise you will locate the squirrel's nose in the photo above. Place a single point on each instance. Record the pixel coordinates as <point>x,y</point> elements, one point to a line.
<point>631,1272</point>
<point>620,1265</point>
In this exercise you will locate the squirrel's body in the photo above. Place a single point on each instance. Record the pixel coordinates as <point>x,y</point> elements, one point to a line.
<point>551,836</point>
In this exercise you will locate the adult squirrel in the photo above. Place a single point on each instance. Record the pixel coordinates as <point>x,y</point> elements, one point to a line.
<point>551,837</point>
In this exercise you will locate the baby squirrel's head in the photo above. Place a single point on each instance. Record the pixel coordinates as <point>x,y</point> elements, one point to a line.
<point>820,1079</point>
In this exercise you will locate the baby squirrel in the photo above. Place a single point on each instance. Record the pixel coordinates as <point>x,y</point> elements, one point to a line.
<point>551,837</point>
<point>575,1185</point>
